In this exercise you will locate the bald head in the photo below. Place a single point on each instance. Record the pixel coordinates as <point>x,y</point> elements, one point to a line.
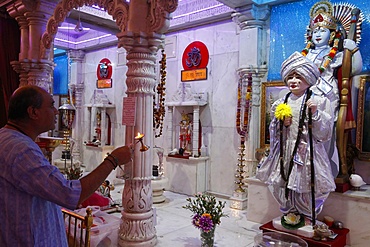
<point>22,98</point>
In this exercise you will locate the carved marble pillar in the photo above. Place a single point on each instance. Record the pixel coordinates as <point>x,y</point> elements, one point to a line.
<point>76,88</point>
<point>195,136</point>
<point>137,227</point>
<point>170,139</point>
<point>252,62</point>
<point>23,26</point>
<point>32,17</point>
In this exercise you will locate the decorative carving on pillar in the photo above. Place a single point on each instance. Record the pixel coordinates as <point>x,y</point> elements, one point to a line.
<point>257,74</point>
<point>159,18</point>
<point>78,93</point>
<point>141,58</point>
<point>251,16</point>
<point>76,55</point>
<point>40,75</point>
<point>34,73</point>
<point>137,215</point>
<point>32,17</point>
<point>21,71</point>
<point>204,9</point>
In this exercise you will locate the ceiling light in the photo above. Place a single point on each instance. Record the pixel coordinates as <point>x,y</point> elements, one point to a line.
<point>79,27</point>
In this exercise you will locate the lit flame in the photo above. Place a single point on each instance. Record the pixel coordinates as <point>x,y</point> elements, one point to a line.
<point>139,136</point>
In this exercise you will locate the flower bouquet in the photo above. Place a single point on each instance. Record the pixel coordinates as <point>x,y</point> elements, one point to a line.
<point>74,172</point>
<point>207,213</point>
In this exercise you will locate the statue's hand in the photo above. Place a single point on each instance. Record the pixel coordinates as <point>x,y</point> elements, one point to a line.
<point>349,44</point>
<point>287,121</point>
<point>313,105</point>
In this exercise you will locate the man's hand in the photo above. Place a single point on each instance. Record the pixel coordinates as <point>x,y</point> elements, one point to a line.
<point>123,154</point>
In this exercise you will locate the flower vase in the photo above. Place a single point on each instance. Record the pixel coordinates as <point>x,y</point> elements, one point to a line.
<point>207,238</point>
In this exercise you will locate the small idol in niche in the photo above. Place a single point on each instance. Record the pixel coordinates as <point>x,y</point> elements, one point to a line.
<point>186,130</point>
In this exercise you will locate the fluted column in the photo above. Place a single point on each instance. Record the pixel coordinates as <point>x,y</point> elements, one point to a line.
<point>170,136</point>
<point>32,17</point>
<point>137,227</point>
<point>23,26</point>
<point>195,135</point>
<point>252,66</point>
<point>76,88</point>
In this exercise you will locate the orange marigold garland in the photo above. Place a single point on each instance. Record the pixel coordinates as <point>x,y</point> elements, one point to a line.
<point>159,109</point>
<point>243,130</point>
<point>308,46</point>
<point>329,57</point>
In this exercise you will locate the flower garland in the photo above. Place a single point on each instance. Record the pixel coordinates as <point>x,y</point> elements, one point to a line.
<point>243,130</point>
<point>159,109</point>
<point>329,57</point>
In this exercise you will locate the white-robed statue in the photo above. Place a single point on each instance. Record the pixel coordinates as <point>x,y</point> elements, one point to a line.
<point>326,39</point>
<point>288,168</point>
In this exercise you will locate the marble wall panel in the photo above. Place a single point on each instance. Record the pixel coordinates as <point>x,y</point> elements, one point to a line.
<point>217,117</point>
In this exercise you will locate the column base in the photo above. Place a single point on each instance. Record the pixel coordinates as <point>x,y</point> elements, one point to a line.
<point>239,200</point>
<point>158,187</point>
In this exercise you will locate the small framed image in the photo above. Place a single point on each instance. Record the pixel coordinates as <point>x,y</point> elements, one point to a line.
<point>363,119</point>
<point>270,92</point>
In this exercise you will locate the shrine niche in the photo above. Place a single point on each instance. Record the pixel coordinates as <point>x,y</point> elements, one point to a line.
<point>186,133</point>
<point>99,113</point>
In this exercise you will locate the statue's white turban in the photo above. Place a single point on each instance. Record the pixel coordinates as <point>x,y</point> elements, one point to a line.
<point>302,66</point>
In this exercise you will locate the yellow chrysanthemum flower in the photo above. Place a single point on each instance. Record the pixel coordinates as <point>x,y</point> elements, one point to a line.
<point>283,110</point>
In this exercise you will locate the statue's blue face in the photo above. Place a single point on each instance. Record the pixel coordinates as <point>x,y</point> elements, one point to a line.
<point>296,83</point>
<point>320,36</point>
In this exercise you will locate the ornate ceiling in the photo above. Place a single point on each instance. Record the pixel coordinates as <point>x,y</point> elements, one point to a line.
<point>99,30</point>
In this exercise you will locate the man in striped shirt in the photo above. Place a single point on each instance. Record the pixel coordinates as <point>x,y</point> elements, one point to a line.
<point>32,190</point>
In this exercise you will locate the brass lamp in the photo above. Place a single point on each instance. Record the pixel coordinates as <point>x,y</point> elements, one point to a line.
<point>67,114</point>
<point>139,138</point>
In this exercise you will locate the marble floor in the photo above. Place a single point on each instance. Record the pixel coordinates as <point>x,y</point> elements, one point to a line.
<point>174,228</point>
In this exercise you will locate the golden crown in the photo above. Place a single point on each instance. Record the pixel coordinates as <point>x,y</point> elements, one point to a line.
<point>321,16</point>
